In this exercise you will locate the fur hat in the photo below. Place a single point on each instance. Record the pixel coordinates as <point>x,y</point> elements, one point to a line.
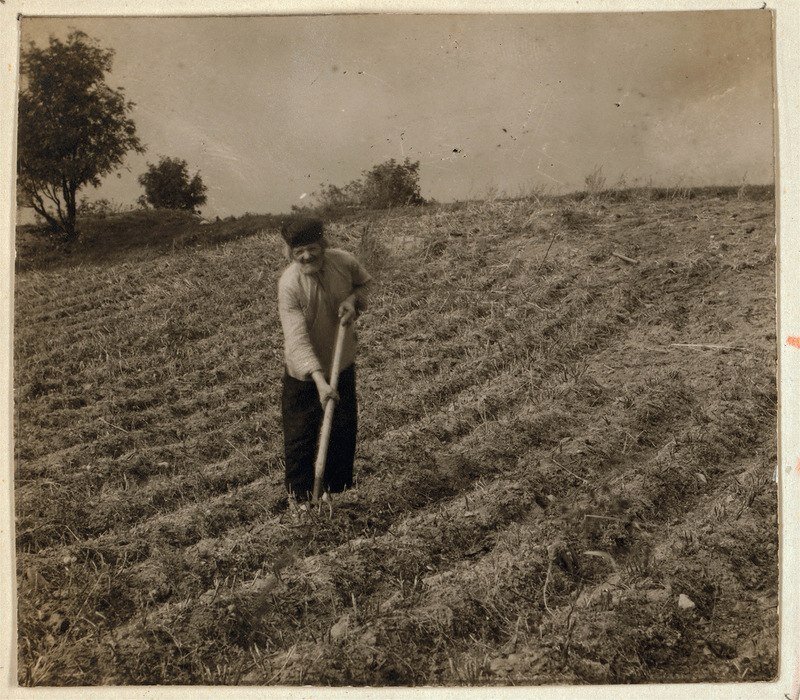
<point>302,231</point>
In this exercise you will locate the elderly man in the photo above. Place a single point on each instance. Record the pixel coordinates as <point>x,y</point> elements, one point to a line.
<point>321,288</point>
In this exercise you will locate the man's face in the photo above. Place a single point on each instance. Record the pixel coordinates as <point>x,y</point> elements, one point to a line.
<point>309,257</point>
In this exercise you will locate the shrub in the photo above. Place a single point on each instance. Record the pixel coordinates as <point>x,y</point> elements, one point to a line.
<point>100,208</point>
<point>167,186</point>
<point>392,184</point>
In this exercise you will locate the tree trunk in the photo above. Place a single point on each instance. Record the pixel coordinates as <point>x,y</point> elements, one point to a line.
<point>67,217</point>
<point>70,232</point>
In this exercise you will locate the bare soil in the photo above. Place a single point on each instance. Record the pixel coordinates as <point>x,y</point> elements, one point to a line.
<point>565,469</point>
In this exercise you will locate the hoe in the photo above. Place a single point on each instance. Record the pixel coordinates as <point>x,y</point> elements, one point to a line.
<point>327,421</point>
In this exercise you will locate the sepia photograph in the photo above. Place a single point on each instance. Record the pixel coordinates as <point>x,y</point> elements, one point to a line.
<point>396,350</point>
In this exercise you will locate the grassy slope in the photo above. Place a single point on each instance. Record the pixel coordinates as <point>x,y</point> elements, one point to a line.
<point>542,471</point>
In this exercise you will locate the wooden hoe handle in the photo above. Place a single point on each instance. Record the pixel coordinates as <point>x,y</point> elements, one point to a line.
<point>327,421</point>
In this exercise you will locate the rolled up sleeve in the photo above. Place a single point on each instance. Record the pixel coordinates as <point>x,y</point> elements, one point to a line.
<point>362,283</point>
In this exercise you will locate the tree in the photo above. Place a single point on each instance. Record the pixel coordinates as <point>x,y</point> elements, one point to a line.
<point>167,186</point>
<point>391,184</point>
<point>73,128</point>
<point>386,185</point>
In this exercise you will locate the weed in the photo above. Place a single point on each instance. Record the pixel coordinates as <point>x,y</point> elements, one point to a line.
<point>469,671</point>
<point>595,181</point>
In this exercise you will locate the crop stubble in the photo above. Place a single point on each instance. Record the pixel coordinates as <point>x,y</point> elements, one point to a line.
<point>544,466</point>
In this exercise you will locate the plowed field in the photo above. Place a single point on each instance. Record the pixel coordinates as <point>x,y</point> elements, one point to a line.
<point>564,475</point>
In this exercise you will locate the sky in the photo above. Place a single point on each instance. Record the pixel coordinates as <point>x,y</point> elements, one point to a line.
<point>268,108</point>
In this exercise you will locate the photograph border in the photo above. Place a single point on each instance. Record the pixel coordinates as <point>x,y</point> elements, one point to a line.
<point>786,17</point>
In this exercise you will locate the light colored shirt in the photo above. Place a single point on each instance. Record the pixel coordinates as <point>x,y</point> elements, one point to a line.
<point>308,305</point>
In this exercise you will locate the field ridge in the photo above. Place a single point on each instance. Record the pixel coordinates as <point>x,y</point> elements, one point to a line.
<point>559,447</point>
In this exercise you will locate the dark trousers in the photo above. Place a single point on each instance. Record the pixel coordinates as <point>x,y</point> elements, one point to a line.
<point>302,419</point>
